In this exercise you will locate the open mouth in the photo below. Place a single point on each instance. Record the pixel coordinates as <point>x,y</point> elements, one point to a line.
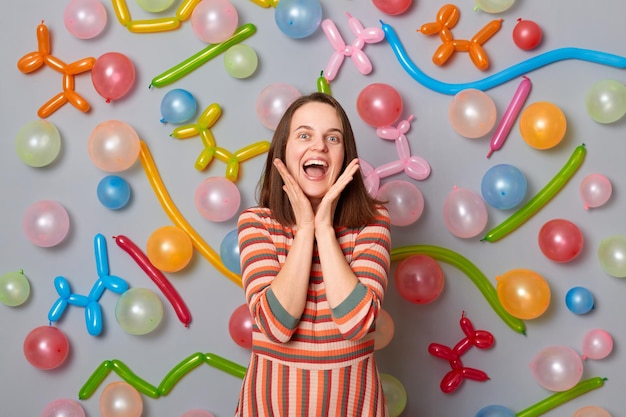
<point>315,168</point>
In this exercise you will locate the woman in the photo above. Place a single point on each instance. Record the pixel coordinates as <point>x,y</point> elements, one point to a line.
<point>315,259</point>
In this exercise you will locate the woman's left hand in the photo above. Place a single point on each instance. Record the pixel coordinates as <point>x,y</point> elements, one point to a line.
<point>326,209</point>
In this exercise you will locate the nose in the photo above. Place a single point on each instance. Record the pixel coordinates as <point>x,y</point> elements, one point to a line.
<point>319,144</point>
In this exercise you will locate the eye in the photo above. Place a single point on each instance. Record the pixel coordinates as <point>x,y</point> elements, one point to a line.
<point>334,139</point>
<point>303,135</point>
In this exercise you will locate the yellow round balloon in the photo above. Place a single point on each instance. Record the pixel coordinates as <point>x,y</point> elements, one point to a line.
<point>542,125</point>
<point>169,248</point>
<point>523,293</point>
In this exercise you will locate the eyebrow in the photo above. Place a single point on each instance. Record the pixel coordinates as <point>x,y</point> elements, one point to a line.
<point>307,127</point>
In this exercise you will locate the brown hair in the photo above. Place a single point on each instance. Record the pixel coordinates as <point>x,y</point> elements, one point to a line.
<point>355,206</point>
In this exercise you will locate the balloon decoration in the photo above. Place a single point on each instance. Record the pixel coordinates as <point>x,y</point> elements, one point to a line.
<point>272,102</point>
<point>217,199</point>
<point>198,413</point>
<point>385,329</point>
<point>46,347</point>
<point>404,201</point>
<point>240,326</point>
<point>494,6</point>
<point>63,407</point>
<point>38,143</point>
<point>595,190</point>
<point>85,19</point>
<point>495,410</point>
<point>503,186</point>
<point>579,300</point>
<point>169,248</point>
<point>113,75</point>
<point>214,21</point>
<point>464,213</point>
<point>113,192</point>
<point>527,34</point>
<point>154,6</point>
<point>591,411</point>
<point>523,293</point>
<point>120,399</point>
<point>447,17</point>
<point>510,115</point>
<point>159,24</point>
<point>229,252</point>
<point>560,240</point>
<point>298,18</point>
<point>323,85</point>
<point>542,125</point>
<point>157,277</point>
<point>419,279</point>
<point>393,7</point>
<point>46,223</point>
<point>562,397</point>
<point>241,61</point>
<point>606,101</point>
<point>178,106</point>
<point>139,311</point>
<point>354,50</point>
<point>482,339</point>
<point>557,368</point>
<point>395,394</point>
<point>14,288</point>
<point>379,105</point>
<point>472,113</point>
<point>612,255</point>
<point>540,199</point>
<point>597,344</point>
<point>113,146</point>
<point>34,60</point>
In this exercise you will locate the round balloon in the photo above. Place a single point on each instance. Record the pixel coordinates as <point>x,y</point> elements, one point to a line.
<point>63,407</point>
<point>591,411</point>
<point>395,394</point>
<point>155,6</point>
<point>557,368</point>
<point>419,279</point>
<point>597,344</point>
<point>503,186</point>
<point>178,106</point>
<point>273,101</point>
<point>46,223</point>
<point>85,19</point>
<point>404,201</point>
<point>241,61</point>
<point>495,410</point>
<point>298,18</point>
<point>595,190</point>
<point>214,21</point>
<point>139,311</point>
<point>527,34</point>
<point>240,326</point>
<point>46,347</point>
<point>229,252</point>
<point>579,300</point>
<point>379,105</point>
<point>385,329</point>
<point>542,125</point>
<point>113,75</point>
<point>612,255</point>
<point>113,146</point>
<point>494,6</point>
<point>169,248</point>
<point>606,101</point>
<point>464,213</point>
<point>472,113</point>
<point>113,192</point>
<point>217,199</point>
<point>38,143</point>
<point>14,288</point>
<point>120,399</point>
<point>392,7</point>
<point>560,240</point>
<point>523,293</point>
<point>197,413</point>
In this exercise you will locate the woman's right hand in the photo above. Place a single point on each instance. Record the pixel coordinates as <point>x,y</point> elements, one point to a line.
<point>300,204</point>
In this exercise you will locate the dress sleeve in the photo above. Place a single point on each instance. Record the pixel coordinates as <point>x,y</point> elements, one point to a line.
<point>356,315</point>
<point>259,265</point>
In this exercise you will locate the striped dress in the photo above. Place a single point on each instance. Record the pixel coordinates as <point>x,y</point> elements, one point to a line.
<point>321,364</point>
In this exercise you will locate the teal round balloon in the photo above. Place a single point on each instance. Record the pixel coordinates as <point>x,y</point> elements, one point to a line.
<point>14,288</point>
<point>606,101</point>
<point>38,143</point>
<point>241,61</point>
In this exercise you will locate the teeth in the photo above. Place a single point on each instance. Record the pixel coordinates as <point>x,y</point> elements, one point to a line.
<point>315,162</point>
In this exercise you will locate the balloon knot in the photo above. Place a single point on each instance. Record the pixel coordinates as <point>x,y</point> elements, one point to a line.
<point>108,100</point>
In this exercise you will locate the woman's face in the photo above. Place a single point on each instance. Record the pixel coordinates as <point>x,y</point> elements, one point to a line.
<point>315,150</point>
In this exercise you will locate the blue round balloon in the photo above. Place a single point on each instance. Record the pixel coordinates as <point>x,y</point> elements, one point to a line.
<point>229,251</point>
<point>579,300</point>
<point>113,192</point>
<point>178,106</point>
<point>495,411</point>
<point>503,186</point>
<point>298,18</point>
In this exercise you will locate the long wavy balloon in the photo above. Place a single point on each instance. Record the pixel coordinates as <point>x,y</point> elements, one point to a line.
<point>476,275</point>
<point>503,76</point>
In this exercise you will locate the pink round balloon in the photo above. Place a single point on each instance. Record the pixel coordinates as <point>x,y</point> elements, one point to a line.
<point>560,240</point>
<point>214,21</point>
<point>63,407</point>
<point>46,347</point>
<point>85,19</point>
<point>240,326</point>
<point>464,213</point>
<point>419,279</point>
<point>591,411</point>
<point>113,146</point>
<point>595,190</point>
<point>405,202</point>
<point>472,113</point>
<point>273,101</point>
<point>197,413</point>
<point>120,399</point>
<point>597,344</point>
<point>46,223</point>
<point>379,105</point>
<point>557,368</point>
<point>113,75</point>
<point>217,199</point>
<point>385,329</point>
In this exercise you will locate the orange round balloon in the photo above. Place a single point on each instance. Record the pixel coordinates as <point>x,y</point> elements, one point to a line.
<point>169,248</point>
<point>542,125</point>
<point>523,293</point>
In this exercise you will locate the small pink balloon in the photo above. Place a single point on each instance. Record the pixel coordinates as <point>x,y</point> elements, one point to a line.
<point>46,223</point>
<point>240,326</point>
<point>113,75</point>
<point>464,213</point>
<point>591,411</point>
<point>595,190</point>
<point>214,21</point>
<point>197,413</point>
<point>560,240</point>
<point>557,368</point>
<point>273,101</point>
<point>85,19</point>
<point>46,347</point>
<point>419,279</point>
<point>385,329</point>
<point>405,202</point>
<point>379,105</point>
<point>120,399</point>
<point>472,113</point>
<point>113,146</point>
<point>63,407</point>
<point>597,344</point>
<point>217,199</point>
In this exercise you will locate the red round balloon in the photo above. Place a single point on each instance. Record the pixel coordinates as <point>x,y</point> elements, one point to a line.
<point>392,7</point>
<point>379,105</point>
<point>560,240</point>
<point>240,326</point>
<point>46,347</point>
<point>112,75</point>
<point>419,279</point>
<point>527,34</point>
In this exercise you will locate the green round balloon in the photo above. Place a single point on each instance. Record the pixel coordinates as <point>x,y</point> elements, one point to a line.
<point>14,288</point>
<point>606,101</point>
<point>612,255</point>
<point>395,394</point>
<point>38,143</point>
<point>240,61</point>
<point>154,6</point>
<point>139,311</point>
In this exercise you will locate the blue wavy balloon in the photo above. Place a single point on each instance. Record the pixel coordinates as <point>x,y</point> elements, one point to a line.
<point>503,76</point>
